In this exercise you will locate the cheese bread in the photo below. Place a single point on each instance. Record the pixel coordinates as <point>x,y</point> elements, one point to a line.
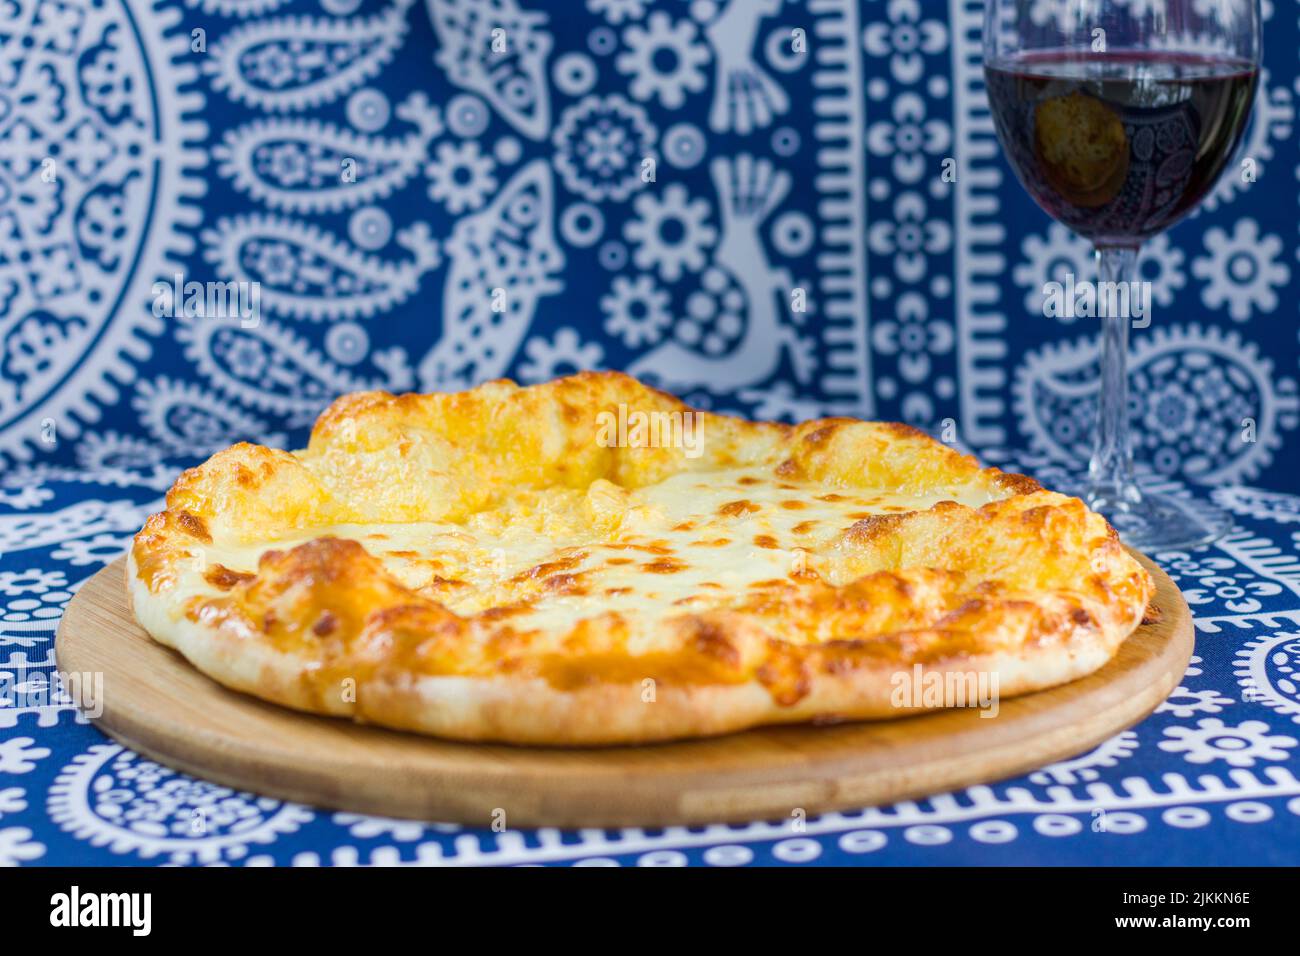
<point>590,561</point>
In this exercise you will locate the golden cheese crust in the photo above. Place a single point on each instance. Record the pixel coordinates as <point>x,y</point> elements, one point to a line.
<point>590,561</point>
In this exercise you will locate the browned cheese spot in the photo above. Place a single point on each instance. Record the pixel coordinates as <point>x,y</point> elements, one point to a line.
<point>654,547</point>
<point>194,526</point>
<point>819,437</point>
<point>786,679</point>
<point>664,566</point>
<point>547,568</point>
<point>563,584</point>
<point>502,612</point>
<point>1018,484</point>
<point>220,576</point>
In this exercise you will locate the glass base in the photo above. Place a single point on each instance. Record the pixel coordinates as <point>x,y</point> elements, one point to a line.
<point>1154,523</point>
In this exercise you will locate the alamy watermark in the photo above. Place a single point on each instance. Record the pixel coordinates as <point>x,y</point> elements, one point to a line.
<point>209,300</point>
<point>32,689</point>
<point>1085,299</point>
<point>658,429</point>
<point>133,911</point>
<point>920,688</point>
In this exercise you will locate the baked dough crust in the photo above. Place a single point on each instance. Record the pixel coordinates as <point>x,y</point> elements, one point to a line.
<point>490,565</point>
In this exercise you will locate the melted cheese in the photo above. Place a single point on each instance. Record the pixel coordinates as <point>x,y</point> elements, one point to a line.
<point>481,565</point>
<point>695,541</point>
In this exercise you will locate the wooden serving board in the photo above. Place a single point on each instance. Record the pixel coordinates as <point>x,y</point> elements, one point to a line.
<point>157,704</point>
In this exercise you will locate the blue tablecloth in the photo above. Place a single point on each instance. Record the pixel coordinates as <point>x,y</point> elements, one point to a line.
<point>1210,778</point>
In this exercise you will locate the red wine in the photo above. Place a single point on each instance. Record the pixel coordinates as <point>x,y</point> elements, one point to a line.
<point>1119,146</point>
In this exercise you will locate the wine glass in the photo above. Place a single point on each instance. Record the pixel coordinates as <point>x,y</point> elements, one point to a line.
<point>1118,117</point>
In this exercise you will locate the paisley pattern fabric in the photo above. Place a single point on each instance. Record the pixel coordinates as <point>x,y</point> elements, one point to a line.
<point>785,208</point>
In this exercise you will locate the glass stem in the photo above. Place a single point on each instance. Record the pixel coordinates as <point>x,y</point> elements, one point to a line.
<point>1110,472</point>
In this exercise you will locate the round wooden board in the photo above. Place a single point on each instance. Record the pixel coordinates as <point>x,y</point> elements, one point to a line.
<point>159,705</point>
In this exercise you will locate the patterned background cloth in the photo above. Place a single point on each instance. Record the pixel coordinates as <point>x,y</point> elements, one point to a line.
<point>366,165</point>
